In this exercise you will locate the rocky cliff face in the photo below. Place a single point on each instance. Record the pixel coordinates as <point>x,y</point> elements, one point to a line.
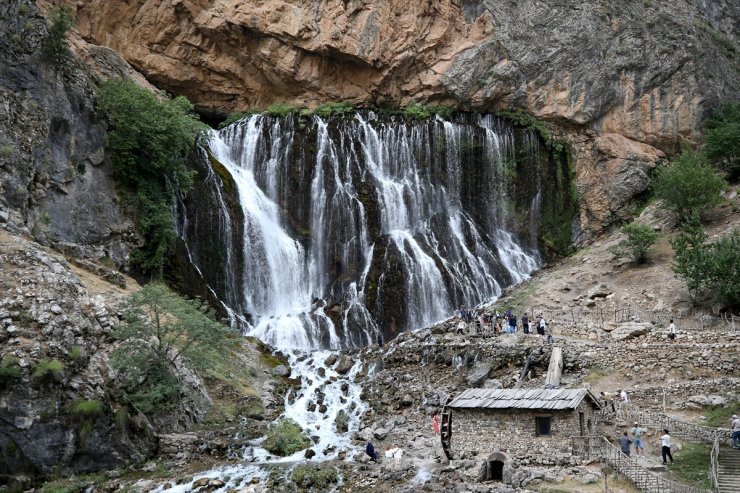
<point>647,71</point>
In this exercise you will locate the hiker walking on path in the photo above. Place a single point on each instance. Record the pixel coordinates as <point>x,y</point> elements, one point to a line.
<point>735,431</point>
<point>636,433</point>
<point>672,331</point>
<point>666,447</point>
<point>548,332</point>
<point>525,324</point>
<point>624,444</point>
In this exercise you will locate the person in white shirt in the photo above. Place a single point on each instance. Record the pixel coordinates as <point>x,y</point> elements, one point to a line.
<point>666,447</point>
<point>735,425</point>
<point>672,331</point>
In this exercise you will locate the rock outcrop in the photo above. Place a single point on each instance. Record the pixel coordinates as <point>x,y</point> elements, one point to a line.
<point>58,412</point>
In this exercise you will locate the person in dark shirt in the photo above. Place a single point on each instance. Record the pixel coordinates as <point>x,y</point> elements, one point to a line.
<point>624,444</point>
<point>370,450</point>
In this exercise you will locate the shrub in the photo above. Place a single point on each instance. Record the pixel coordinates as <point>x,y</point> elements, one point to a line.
<point>55,46</point>
<point>6,151</point>
<point>315,478</point>
<point>333,109</point>
<point>689,186</point>
<point>75,354</point>
<point>9,370</point>
<point>149,140</point>
<point>49,370</point>
<point>640,238</point>
<point>234,117</point>
<point>342,421</point>
<point>709,267</point>
<point>723,139</point>
<point>280,109</point>
<point>159,327</point>
<point>416,111</point>
<point>87,408</point>
<point>285,438</point>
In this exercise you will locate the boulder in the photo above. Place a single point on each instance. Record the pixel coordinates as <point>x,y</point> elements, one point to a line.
<point>344,365</point>
<point>281,371</point>
<point>630,330</point>
<point>493,383</point>
<point>478,375</point>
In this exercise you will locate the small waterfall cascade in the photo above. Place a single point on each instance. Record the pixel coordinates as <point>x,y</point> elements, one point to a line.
<point>344,229</point>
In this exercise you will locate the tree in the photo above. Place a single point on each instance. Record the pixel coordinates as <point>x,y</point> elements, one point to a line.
<point>159,330</point>
<point>55,46</point>
<point>689,186</point>
<point>640,238</point>
<point>149,140</point>
<point>690,256</point>
<point>723,139</point>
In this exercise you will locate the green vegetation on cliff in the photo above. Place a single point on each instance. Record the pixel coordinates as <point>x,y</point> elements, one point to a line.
<point>55,47</point>
<point>285,438</point>
<point>149,140</point>
<point>640,237</point>
<point>723,139</point>
<point>159,329</point>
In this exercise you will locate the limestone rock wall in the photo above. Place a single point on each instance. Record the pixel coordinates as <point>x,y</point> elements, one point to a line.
<point>644,74</point>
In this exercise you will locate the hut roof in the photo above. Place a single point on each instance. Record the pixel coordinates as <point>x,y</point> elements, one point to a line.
<point>557,399</point>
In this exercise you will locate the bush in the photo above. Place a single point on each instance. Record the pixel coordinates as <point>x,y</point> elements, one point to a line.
<point>55,47</point>
<point>416,111</point>
<point>709,267</point>
<point>640,238</point>
<point>723,139</point>
<point>315,478</point>
<point>9,370</point>
<point>235,117</point>
<point>49,370</point>
<point>149,140</point>
<point>6,151</point>
<point>87,408</point>
<point>76,353</point>
<point>342,421</point>
<point>333,109</point>
<point>689,186</point>
<point>285,438</point>
<point>280,109</point>
<point>159,327</point>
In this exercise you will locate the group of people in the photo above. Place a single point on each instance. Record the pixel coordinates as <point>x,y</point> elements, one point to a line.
<point>492,323</point>
<point>635,437</point>
<point>617,401</point>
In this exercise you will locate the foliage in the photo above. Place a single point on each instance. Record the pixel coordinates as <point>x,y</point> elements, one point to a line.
<point>717,415</point>
<point>149,139</point>
<point>87,408</point>
<point>333,109</point>
<point>315,478</point>
<point>558,212</point>
<point>75,353</point>
<point>723,139</point>
<point>6,151</point>
<point>689,186</point>
<point>55,47</point>
<point>9,370</point>
<point>285,438</point>
<point>280,110</point>
<point>720,38</point>
<point>417,111</point>
<point>711,267</point>
<point>49,370</point>
<point>159,328</point>
<point>342,421</point>
<point>640,238</point>
<point>234,117</point>
<point>533,123</point>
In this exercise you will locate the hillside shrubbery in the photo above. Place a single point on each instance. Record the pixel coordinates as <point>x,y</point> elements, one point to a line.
<point>159,329</point>
<point>149,140</point>
<point>723,139</point>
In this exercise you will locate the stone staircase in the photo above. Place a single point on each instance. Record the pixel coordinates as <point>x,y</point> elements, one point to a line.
<point>729,470</point>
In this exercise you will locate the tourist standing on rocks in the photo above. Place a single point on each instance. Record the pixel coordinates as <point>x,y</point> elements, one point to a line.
<point>666,447</point>
<point>624,444</point>
<point>541,325</point>
<point>512,324</point>
<point>636,433</point>
<point>735,431</point>
<point>608,400</point>
<point>525,323</point>
<point>548,332</point>
<point>672,331</point>
<point>435,423</point>
<point>461,327</point>
<point>370,450</point>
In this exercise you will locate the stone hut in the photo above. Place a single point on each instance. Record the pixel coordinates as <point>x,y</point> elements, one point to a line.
<point>510,427</point>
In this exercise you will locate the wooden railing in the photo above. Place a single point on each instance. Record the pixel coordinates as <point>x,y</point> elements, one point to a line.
<point>715,465</point>
<point>642,478</point>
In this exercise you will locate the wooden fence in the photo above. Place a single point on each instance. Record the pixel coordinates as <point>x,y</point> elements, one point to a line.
<point>680,429</point>
<point>715,465</point>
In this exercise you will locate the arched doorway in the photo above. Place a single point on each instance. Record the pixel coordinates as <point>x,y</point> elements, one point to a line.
<point>495,466</point>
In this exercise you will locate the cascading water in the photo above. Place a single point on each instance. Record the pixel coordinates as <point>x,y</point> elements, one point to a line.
<point>367,225</point>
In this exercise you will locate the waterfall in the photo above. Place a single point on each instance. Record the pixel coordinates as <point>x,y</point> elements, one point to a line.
<point>365,225</point>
